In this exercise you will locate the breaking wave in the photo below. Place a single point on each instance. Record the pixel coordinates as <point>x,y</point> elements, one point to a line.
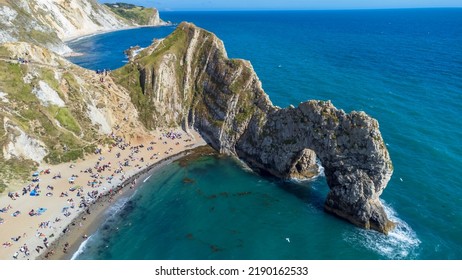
<point>81,248</point>
<point>111,212</point>
<point>401,243</point>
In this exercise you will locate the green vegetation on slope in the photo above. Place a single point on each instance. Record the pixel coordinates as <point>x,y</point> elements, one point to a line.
<point>135,14</point>
<point>11,82</point>
<point>25,30</point>
<point>67,132</point>
<point>66,120</point>
<point>13,168</point>
<point>130,76</point>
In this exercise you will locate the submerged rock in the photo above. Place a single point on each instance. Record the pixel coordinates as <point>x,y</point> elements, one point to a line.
<point>186,79</point>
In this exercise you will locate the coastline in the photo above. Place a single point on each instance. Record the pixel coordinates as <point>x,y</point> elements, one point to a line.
<point>92,185</point>
<point>99,210</point>
<point>76,38</point>
<point>22,235</point>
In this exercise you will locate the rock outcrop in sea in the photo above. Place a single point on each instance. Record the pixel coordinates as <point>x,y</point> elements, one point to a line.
<point>187,79</point>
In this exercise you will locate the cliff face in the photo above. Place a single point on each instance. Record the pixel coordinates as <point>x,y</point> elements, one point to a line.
<point>22,20</point>
<point>53,111</point>
<point>187,79</point>
<point>48,23</point>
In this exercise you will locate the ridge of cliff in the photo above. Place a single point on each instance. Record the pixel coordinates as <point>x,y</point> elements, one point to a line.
<point>187,79</point>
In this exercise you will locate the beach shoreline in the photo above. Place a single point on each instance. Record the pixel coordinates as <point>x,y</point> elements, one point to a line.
<point>76,38</point>
<point>97,180</point>
<point>90,223</point>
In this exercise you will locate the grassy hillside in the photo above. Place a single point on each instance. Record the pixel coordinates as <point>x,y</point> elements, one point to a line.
<point>135,14</point>
<point>29,125</point>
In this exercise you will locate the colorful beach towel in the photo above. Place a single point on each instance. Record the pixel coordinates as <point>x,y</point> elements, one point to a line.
<point>41,210</point>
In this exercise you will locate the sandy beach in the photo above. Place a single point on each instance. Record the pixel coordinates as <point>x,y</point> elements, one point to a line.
<point>62,203</point>
<point>67,201</point>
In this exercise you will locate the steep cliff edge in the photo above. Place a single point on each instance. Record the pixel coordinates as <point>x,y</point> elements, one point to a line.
<point>186,79</point>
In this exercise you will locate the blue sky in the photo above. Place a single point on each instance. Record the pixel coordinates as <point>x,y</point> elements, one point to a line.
<point>177,5</point>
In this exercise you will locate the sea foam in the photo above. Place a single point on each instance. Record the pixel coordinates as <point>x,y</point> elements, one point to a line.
<point>110,212</point>
<point>400,243</point>
<point>314,178</point>
<point>81,248</point>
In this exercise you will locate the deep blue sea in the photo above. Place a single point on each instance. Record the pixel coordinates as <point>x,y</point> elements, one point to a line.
<point>403,67</point>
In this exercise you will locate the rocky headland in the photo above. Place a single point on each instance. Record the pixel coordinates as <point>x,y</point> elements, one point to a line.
<point>187,80</point>
<point>53,111</point>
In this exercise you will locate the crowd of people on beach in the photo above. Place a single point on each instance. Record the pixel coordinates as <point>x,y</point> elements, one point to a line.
<point>104,178</point>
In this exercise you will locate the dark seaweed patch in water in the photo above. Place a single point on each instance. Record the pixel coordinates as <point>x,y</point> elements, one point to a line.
<point>242,193</point>
<point>105,240</point>
<point>211,209</point>
<point>189,236</point>
<point>215,248</point>
<point>240,243</point>
<point>101,251</point>
<point>213,196</point>
<point>225,194</point>
<point>128,208</point>
<point>267,200</point>
<point>187,180</point>
<point>266,203</point>
<point>196,155</point>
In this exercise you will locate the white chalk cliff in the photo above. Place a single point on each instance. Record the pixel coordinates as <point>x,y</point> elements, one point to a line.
<point>49,23</point>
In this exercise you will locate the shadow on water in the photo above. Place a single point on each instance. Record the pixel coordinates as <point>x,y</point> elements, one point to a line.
<point>303,190</point>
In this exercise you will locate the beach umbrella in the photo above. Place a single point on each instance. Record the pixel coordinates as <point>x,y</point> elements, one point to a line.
<point>36,173</point>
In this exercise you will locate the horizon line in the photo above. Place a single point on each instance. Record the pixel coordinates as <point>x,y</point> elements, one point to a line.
<point>301,10</point>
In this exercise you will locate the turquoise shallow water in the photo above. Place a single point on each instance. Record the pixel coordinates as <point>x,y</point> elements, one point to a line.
<point>403,67</point>
<point>225,212</point>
